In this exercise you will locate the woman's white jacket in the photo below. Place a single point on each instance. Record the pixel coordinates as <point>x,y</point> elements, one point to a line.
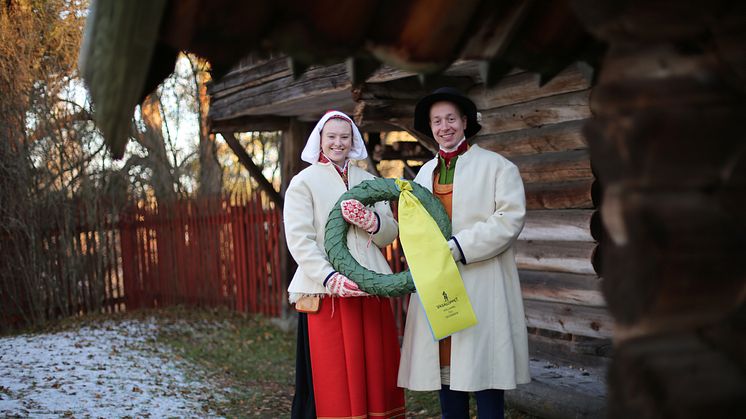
<point>308,199</point>
<point>488,215</point>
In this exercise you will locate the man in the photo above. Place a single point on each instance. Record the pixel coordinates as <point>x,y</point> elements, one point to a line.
<point>483,195</point>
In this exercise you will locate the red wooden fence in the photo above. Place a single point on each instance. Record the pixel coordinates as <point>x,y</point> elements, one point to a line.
<point>213,252</point>
<point>196,252</point>
<point>206,252</point>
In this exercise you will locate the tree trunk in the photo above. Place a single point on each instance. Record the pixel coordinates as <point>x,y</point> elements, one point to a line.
<point>210,172</point>
<point>162,179</point>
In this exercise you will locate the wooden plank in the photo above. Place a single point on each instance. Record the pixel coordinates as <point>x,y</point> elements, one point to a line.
<point>569,257</point>
<point>579,289</point>
<point>568,318</point>
<point>561,225</point>
<point>524,87</point>
<point>577,194</point>
<point>563,136</point>
<point>564,166</point>
<point>536,113</point>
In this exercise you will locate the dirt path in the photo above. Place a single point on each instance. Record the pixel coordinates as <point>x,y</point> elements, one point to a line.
<point>112,370</point>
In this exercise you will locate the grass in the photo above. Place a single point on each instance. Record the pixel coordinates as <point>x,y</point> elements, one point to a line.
<point>257,360</point>
<point>247,357</point>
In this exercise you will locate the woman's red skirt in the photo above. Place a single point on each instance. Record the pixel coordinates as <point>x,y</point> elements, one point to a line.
<point>354,352</point>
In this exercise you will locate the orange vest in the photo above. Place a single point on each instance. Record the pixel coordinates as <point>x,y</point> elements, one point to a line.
<point>444,193</point>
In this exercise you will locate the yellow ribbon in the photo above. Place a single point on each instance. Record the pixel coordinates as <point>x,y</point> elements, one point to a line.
<point>433,269</point>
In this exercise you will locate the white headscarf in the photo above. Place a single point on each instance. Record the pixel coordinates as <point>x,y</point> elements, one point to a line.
<point>312,149</point>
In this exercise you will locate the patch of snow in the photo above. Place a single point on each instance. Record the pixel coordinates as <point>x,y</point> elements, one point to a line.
<point>115,370</point>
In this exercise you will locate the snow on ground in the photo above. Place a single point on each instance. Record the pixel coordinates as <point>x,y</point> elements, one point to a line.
<point>112,370</point>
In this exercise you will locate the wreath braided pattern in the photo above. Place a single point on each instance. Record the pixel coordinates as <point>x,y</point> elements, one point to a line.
<point>369,192</point>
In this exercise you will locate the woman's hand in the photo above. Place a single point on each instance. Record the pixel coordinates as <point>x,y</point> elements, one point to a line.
<point>341,286</point>
<point>357,214</point>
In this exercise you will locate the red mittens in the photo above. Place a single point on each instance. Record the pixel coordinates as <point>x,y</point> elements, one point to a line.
<point>341,286</point>
<point>359,215</point>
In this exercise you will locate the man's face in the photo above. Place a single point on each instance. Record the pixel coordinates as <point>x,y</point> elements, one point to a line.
<point>447,123</point>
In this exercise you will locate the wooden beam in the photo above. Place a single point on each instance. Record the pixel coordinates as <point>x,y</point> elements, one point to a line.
<point>566,166</point>
<point>562,288</point>
<point>570,257</point>
<point>525,87</point>
<point>577,194</point>
<point>255,171</point>
<point>563,136</point>
<point>251,123</point>
<point>594,322</point>
<point>293,141</point>
<point>561,225</point>
<point>537,113</point>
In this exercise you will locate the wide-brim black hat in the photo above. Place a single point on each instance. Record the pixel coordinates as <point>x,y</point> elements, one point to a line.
<point>449,94</point>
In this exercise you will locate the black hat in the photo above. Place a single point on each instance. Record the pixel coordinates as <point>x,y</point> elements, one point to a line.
<point>449,94</point>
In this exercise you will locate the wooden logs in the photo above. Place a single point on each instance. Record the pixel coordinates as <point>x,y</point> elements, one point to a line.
<point>673,207</point>
<point>668,146</point>
<point>562,288</point>
<point>318,89</point>
<point>562,136</point>
<point>524,87</point>
<point>561,225</point>
<point>560,195</point>
<point>547,167</point>
<point>550,110</point>
<point>568,318</point>
<point>570,257</point>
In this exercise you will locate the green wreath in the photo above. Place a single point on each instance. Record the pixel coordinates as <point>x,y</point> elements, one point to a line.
<point>369,192</point>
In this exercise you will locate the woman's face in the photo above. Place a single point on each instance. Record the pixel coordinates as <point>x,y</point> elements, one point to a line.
<point>336,140</point>
<point>447,123</point>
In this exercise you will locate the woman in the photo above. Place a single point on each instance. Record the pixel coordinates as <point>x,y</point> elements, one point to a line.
<point>348,352</point>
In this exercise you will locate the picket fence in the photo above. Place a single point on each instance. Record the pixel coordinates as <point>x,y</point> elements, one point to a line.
<point>205,252</point>
<point>214,252</point>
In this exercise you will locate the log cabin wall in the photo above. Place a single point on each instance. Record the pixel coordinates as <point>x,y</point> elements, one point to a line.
<point>539,129</point>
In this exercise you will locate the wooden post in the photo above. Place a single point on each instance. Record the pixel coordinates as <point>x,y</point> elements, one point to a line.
<point>667,144</point>
<point>293,140</point>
